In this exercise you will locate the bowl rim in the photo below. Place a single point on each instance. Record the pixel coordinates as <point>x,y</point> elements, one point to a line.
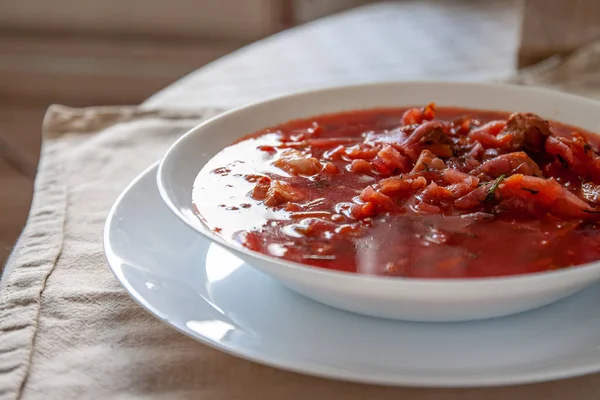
<point>352,276</point>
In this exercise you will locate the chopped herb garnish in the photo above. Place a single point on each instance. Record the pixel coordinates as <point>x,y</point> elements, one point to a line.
<point>532,191</point>
<point>491,194</point>
<point>562,161</point>
<point>426,167</point>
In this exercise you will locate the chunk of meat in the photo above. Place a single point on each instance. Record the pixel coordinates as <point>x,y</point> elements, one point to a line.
<point>509,164</point>
<point>430,135</point>
<point>295,163</point>
<point>525,131</point>
<point>437,142</point>
<point>546,194</point>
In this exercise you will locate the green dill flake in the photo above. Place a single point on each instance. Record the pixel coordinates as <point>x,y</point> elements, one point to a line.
<point>491,194</point>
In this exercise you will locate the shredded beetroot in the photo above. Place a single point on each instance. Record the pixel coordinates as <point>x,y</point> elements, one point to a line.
<point>401,194</point>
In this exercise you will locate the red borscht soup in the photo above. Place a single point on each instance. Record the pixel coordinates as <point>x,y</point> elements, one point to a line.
<point>423,192</point>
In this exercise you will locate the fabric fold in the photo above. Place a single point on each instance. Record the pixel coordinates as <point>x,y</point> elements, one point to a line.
<point>80,144</point>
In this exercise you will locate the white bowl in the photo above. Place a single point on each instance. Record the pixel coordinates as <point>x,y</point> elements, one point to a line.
<point>396,298</point>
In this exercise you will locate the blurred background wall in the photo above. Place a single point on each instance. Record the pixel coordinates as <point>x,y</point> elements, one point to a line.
<point>99,52</point>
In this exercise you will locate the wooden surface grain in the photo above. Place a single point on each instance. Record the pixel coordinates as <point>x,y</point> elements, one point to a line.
<point>552,27</point>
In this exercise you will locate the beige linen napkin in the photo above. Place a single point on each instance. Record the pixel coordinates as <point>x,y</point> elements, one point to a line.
<point>68,330</point>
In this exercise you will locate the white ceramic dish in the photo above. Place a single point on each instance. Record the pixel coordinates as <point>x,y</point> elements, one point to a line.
<point>206,292</point>
<point>397,298</point>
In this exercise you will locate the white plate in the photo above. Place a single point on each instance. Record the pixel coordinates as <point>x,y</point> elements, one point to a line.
<point>207,293</point>
<point>433,300</point>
